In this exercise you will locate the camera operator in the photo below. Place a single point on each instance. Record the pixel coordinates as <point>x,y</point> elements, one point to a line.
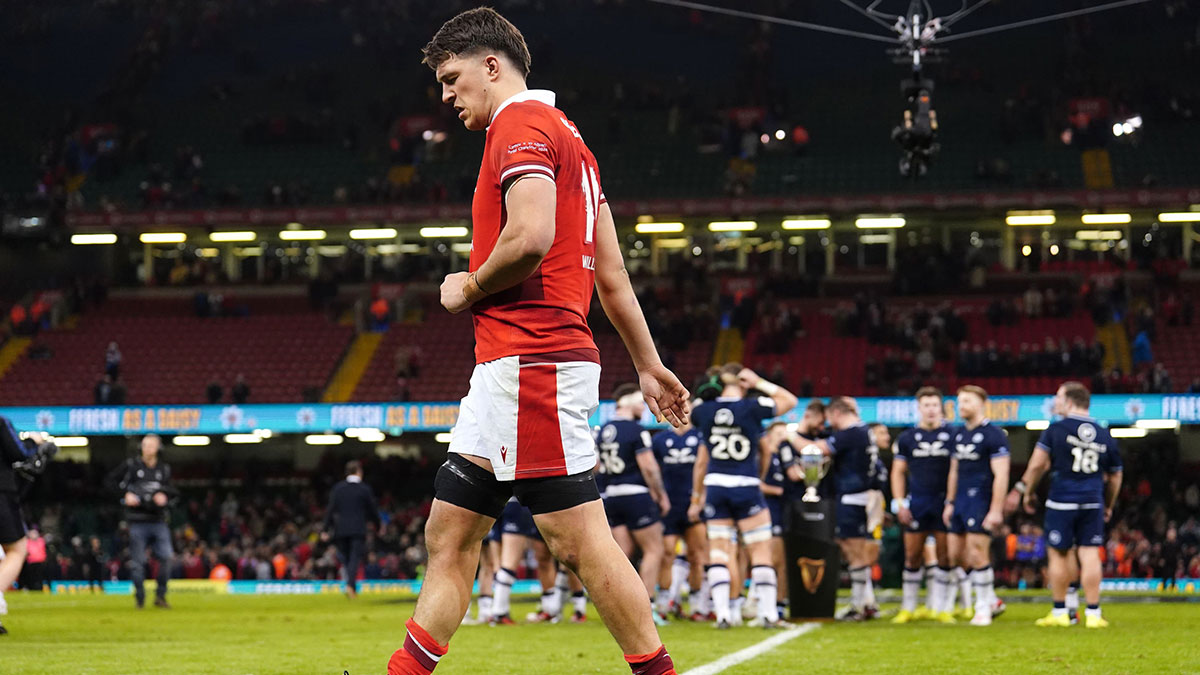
<point>145,485</point>
<point>24,458</point>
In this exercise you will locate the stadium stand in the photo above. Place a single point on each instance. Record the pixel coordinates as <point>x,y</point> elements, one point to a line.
<point>170,354</point>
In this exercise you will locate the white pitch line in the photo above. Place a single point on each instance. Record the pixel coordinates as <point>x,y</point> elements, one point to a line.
<point>730,660</point>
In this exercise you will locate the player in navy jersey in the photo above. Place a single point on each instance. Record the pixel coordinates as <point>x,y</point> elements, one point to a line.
<point>876,504</point>
<point>727,482</point>
<point>1085,476</point>
<point>634,497</point>
<point>515,532</point>
<point>775,492</point>
<point>676,451</point>
<point>975,490</point>
<point>920,469</point>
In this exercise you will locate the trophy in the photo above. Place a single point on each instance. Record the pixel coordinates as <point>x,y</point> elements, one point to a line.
<point>815,465</point>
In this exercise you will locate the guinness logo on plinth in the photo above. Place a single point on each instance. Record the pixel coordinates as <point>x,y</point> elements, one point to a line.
<point>812,572</point>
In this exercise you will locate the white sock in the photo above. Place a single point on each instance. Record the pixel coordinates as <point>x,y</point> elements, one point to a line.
<point>1073,597</point>
<point>949,590</point>
<point>983,580</point>
<point>964,586</point>
<point>869,591</point>
<point>858,586</point>
<point>935,589</point>
<point>485,608</point>
<point>502,591</point>
<point>1093,611</point>
<point>735,607</point>
<point>561,587</point>
<point>663,601</point>
<point>910,589</point>
<point>679,575</point>
<point>766,583</point>
<point>718,581</point>
<point>706,598</point>
<point>552,602</point>
<point>579,599</point>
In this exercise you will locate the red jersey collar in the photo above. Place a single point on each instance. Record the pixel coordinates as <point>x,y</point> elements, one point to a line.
<point>540,95</point>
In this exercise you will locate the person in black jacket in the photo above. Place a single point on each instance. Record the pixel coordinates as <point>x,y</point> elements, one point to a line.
<point>351,506</point>
<point>13,449</point>
<point>145,485</point>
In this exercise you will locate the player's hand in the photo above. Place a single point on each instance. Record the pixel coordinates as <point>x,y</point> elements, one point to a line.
<point>794,474</point>
<point>1030,503</point>
<point>453,297</point>
<point>992,520</point>
<point>160,498</point>
<point>131,499</point>
<point>946,513</point>
<point>748,378</point>
<point>905,516</point>
<point>1107,514</point>
<point>664,504</point>
<point>694,512</point>
<point>1012,502</point>
<point>664,393</point>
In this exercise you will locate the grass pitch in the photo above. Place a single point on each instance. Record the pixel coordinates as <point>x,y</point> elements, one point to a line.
<point>327,634</point>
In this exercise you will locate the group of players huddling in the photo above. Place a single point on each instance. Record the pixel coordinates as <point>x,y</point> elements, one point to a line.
<point>704,505</point>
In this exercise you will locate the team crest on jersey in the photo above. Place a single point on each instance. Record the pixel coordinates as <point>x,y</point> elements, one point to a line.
<point>977,438</point>
<point>919,436</point>
<point>724,417</point>
<point>609,434</point>
<point>1086,432</point>
<point>812,573</point>
<point>943,436</point>
<point>692,441</point>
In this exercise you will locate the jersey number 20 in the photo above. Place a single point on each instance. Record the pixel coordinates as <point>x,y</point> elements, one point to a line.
<point>734,447</point>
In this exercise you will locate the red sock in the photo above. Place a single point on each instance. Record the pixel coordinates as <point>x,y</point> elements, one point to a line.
<point>654,663</point>
<point>420,654</point>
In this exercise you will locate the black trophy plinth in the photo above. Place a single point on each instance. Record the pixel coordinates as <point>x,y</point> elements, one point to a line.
<point>814,561</point>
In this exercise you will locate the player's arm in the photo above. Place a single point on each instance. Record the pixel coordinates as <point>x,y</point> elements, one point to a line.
<point>899,481</point>
<point>951,491</point>
<point>1039,464</point>
<point>653,476</point>
<point>523,243</point>
<point>764,466</point>
<point>1112,488</point>
<point>1000,470</point>
<point>699,470</point>
<point>664,393</point>
<point>784,399</point>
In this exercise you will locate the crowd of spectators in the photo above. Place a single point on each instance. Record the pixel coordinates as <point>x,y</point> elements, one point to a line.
<point>260,533</point>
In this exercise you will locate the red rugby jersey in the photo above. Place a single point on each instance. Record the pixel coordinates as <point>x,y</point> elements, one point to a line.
<point>548,311</point>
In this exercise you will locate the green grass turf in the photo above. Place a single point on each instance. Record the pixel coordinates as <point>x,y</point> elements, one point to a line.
<point>327,634</point>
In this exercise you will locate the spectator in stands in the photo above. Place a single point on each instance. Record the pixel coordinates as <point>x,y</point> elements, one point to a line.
<point>112,360</point>
<point>1033,303</point>
<point>1195,386</point>
<point>1160,379</point>
<point>214,392</point>
<point>778,375</point>
<point>991,366</point>
<point>102,392</point>
<point>1143,352</point>
<point>924,359</point>
<point>380,313</point>
<point>118,393</point>
<point>240,392</point>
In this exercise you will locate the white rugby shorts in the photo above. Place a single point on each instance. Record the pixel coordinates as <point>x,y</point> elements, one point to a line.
<point>528,416</point>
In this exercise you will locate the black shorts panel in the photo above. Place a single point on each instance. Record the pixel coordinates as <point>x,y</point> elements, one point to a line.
<point>556,493</point>
<point>12,525</point>
<point>474,488</point>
